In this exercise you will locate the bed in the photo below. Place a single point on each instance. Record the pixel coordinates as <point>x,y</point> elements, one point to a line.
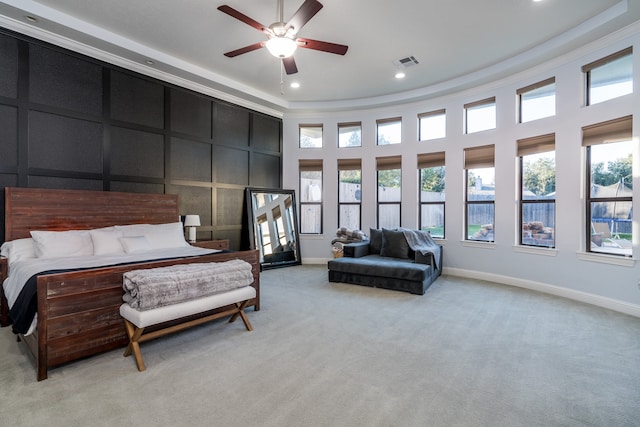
<point>78,311</point>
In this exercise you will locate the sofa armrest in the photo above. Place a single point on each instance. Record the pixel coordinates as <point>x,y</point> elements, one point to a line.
<point>428,259</point>
<point>356,250</point>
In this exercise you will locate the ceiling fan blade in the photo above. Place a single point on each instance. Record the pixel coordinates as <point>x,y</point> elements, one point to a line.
<point>338,49</point>
<point>308,9</point>
<point>242,17</point>
<point>290,65</point>
<point>245,49</point>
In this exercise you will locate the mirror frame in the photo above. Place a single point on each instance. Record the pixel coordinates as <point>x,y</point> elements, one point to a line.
<point>251,194</point>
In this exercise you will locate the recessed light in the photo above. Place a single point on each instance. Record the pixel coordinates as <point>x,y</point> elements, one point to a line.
<point>31,18</point>
<point>295,85</point>
<point>400,75</point>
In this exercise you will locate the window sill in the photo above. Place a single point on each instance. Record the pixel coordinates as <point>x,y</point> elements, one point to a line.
<point>606,259</point>
<point>483,245</point>
<point>535,251</point>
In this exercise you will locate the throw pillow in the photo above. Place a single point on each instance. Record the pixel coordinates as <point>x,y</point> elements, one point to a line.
<point>375,241</point>
<point>394,244</point>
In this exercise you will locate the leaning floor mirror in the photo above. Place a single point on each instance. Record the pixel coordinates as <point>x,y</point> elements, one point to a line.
<point>273,226</point>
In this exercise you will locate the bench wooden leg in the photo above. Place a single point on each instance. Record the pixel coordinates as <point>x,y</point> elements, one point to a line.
<point>134,344</point>
<point>240,307</point>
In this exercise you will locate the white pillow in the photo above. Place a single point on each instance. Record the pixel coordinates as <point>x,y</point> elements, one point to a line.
<point>133,244</point>
<point>106,241</point>
<point>56,244</point>
<point>162,236</point>
<point>17,250</point>
<point>159,236</point>
<point>132,230</point>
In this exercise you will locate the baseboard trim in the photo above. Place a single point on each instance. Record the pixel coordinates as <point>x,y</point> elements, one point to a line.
<point>597,300</point>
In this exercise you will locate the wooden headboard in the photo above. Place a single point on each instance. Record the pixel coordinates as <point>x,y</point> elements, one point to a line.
<point>29,209</point>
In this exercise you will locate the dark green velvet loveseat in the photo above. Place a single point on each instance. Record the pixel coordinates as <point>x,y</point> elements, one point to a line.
<point>388,261</point>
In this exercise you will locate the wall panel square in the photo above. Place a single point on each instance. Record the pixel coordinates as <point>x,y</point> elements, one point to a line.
<point>61,80</point>
<point>67,183</point>
<point>62,143</point>
<point>193,201</point>
<point>231,166</point>
<point>265,133</point>
<point>137,187</point>
<point>8,136</point>
<point>265,171</point>
<point>229,209</point>
<point>231,126</point>
<point>136,100</point>
<point>190,160</point>
<point>137,153</point>
<point>8,66</point>
<point>190,114</point>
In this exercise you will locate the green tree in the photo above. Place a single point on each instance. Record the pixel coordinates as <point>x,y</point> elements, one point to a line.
<point>616,170</point>
<point>389,178</point>
<point>432,179</point>
<point>540,176</point>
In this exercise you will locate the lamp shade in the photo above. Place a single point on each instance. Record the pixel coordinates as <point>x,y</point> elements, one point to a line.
<point>192,221</point>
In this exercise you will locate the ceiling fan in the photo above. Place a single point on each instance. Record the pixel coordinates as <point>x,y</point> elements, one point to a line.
<point>282,39</point>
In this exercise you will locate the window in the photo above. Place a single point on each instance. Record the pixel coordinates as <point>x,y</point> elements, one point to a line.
<point>349,134</point>
<point>389,171</point>
<point>480,115</point>
<point>431,186</point>
<point>480,193</point>
<point>432,125</point>
<point>349,193</point>
<point>389,131</point>
<point>609,158</point>
<point>310,136</point>
<point>311,196</point>
<point>609,77</point>
<point>537,190</point>
<point>537,100</point>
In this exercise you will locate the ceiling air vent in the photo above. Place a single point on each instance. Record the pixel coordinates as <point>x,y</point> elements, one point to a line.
<point>409,61</point>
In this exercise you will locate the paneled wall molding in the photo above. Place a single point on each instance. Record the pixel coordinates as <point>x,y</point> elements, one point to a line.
<point>74,122</point>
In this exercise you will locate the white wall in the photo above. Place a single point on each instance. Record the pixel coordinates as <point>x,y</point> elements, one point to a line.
<point>566,270</point>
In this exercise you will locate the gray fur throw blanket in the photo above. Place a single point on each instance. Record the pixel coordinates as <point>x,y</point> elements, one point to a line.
<point>156,287</point>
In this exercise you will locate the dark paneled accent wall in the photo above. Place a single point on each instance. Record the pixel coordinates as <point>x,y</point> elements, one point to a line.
<point>68,121</point>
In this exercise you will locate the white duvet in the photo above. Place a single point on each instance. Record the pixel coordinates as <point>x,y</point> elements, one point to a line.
<point>20,271</point>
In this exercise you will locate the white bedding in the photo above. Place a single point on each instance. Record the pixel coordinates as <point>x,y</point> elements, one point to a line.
<point>20,271</point>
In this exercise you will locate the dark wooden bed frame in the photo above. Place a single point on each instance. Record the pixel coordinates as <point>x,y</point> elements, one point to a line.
<point>78,312</point>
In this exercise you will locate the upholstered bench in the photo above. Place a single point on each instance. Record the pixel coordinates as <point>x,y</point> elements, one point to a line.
<point>163,319</point>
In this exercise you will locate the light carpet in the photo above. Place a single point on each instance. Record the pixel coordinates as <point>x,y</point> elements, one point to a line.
<point>467,353</point>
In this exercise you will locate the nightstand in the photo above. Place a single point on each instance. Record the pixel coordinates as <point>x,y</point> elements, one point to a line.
<point>222,244</point>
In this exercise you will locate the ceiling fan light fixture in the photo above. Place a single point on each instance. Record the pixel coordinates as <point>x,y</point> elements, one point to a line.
<point>281,47</point>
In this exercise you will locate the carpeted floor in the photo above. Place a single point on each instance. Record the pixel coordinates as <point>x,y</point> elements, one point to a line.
<point>467,353</point>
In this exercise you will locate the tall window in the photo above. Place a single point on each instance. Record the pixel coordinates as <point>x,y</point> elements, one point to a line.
<point>431,174</point>
<point>480,193</point>
<point>432,125</point>
<point>349,193</point>
<point>609,148</point>
<point>480,115</point>
<point>389,171</point>
<point>311,196</point>
<point>310,136</point>
<point>389,131</point>
<point>349,134</point>
<point>537,190</point>
<point>537,100</point>
<point>609,77</point>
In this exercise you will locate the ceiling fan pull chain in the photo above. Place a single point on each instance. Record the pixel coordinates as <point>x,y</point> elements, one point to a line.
<point>281,78</point>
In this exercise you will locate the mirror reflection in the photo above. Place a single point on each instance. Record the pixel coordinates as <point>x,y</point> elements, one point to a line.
<point>273,226</point>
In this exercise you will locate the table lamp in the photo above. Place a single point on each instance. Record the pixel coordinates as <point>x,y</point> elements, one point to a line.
<point>191,222</point>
